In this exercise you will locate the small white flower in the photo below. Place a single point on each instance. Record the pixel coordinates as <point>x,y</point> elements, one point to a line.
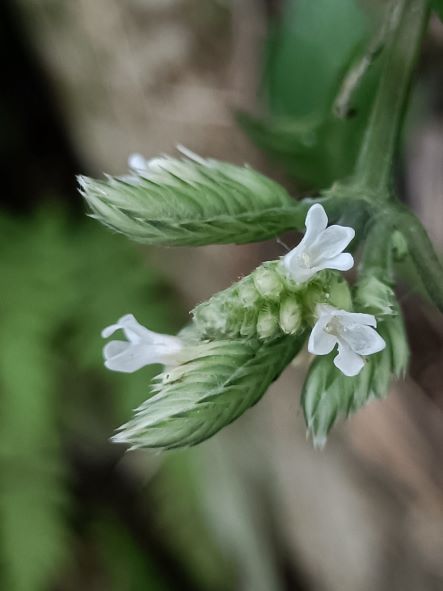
<point>143,347</point>
<point>354,334</point>
<point>320,248</point>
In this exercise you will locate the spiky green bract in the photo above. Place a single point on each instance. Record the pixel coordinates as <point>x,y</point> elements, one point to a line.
<point>198,398</point>
<point>267,303</point>
<point>193,202</point>
<point>328,394</point>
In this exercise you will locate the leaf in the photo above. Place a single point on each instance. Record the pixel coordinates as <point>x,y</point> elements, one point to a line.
<point>301,80</point>
<point>192,201</point>
<point>328,394</point>
<point>195,400</point>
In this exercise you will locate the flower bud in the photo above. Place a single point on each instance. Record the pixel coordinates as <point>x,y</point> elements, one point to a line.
<point>339,294</point>
<point>247,293</point>
<point>267,325</point>
<point>268,283</point>
<point>290,317</point>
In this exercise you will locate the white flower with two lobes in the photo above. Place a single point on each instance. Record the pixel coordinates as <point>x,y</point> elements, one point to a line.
<point>352,332</point>
<point>143,347</point>
<point>321,248</point>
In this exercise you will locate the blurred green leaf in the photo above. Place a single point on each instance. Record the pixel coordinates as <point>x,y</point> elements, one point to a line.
<point>127,567</point>
<point>438,7</point>
<point>61,285</point>
<point>309,51</point>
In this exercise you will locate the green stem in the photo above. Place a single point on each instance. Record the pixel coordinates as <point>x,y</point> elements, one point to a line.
<point>374,165</point>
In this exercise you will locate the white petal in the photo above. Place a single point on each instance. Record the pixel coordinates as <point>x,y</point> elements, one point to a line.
<point>347,361</point>
<point>109,330</point>
<point>295,266</point>
<point>130,359</point>
<point>316,221</point>
<point>332,242</point>
<point>114,348</point>
<point>364,340</point>
<point>137,162</point>
<point>342,262</point>
<point>134,331</point>
<point>321,342</point>
<point>352,318</point>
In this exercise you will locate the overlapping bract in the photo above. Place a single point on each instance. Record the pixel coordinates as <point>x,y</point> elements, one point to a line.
<point>198,398</point>
<point>176,202</point>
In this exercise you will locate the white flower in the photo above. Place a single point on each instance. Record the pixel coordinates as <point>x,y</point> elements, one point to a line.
<point>353,333</point>
<point>320,248</point>
<point>166,168</point>
<point>143,347</point>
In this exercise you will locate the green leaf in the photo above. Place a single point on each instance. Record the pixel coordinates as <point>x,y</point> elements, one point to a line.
<point>302,78</point>
<point>195,400</point>
<point>193,201</point>
<point>329,395</point>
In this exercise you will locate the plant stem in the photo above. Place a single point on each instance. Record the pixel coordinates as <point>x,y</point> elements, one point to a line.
<point>373,170</point>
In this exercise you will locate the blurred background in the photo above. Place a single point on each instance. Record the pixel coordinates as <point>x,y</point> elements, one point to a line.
<point>84,84</point>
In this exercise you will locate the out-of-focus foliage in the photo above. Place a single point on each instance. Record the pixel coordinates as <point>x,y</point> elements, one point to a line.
<point>310,48</point>
<point>438,7</point>
<point>60,285</point>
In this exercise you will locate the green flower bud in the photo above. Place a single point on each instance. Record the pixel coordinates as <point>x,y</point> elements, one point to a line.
<point>268,282</point>
<point>248,293</point>
<point>234,311</point>
<point>338,294</point>
<point>267,324</point>
<point>290,316</point>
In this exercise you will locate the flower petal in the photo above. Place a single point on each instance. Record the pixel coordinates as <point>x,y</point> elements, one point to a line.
<point>294,265</point>
<point>129,359</point>
<point>134,331</point>
<point>342,262</point>
<point>348,362</point>
<point>320,342</point>
<point>364,340</point>
<point>137,162</point>
<point>316,222</point>
<point>114,348</point>
<point>331,242</point>
<point>351,318</point>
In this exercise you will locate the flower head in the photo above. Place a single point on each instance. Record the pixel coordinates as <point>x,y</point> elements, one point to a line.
<point>143,347</point>
<point>354,334</point>
<point>320,248</point>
